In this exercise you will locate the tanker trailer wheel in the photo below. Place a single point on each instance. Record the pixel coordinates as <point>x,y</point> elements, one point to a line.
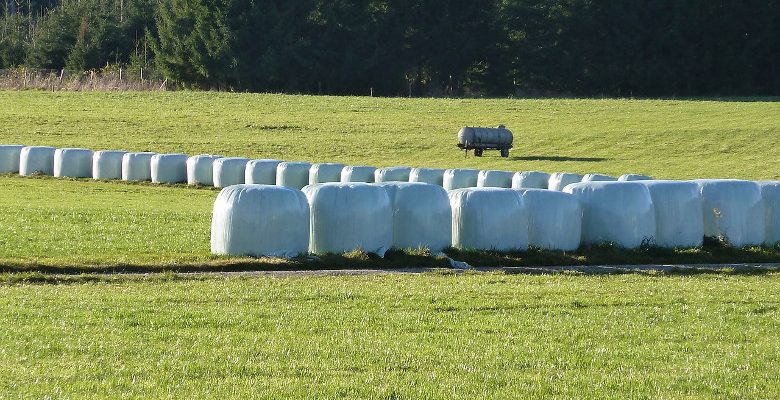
<point>478,152</point>
<point>505,153</point>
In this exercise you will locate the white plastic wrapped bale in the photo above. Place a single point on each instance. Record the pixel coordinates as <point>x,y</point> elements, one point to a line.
<point>36,160</point>
<point>325,172</point>
<point>261,172</point>
<point>770,194</point>
<point>169,168</point>
<point>678,218</point>
<point>634,177</point>
<point>9,158</point>
<point>73,163</point>
<point>107,164</point>
<point>560,180</point>
<point>530,180</point>
<point>200,169</point>
<point>489,219</point>
<point>554,219</point>
<point>491,178</point>
<point>260,220</point>
<point>392,174</point>
<point>421,215</point>
<point>431,176</point>
<point>229,171</point>
<point>293,174</point>
<point>615,212</point>
<point>598,178</point>
<point>349,216</point>
<point>358,173</point>
<point>733,211</point>
<point>137,166</point>
<point>460,178</point>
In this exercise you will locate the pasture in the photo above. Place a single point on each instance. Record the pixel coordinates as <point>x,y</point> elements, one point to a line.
<point>432,335</point>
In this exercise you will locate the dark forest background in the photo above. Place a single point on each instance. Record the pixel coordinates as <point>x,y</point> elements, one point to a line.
<point>658,48</point>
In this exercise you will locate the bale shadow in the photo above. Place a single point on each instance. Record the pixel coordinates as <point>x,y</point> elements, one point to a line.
<point>558,158</point>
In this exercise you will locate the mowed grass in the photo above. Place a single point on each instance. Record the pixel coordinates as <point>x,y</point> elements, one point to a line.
<point>664,138</point>
<point>394,337</point>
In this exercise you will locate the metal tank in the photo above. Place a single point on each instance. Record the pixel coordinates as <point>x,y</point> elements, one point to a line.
<point>481,139</point>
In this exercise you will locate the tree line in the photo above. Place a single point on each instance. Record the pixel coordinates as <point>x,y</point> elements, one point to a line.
<point>412,47</point>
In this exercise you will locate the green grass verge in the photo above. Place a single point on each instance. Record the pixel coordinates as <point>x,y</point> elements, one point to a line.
<point>80,226</point>
<point>663,138</point>
<point>394,336</point>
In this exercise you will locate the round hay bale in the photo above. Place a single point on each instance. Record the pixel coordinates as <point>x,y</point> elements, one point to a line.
<point>260,220</point>
<point>733,211</point>
<point>460,178</point>
<point>9,158</point>
<point>358,173</point>
<point>422,216</point>
<point>433,176</point>
<point>392,174</point>
<point>349,216</point>
<point>325,172</point>
<point>229,171</point>
<point>615,212</point>
<point>107,164</point>
<point>770,194</point>
<point>137,166</point>
<point>678,218</point>
<point>261,172</point>
<point>633,177</point>
<point>489,219</point>
<point>554,219</point>
<point>492,178</point>
<point>293,174</point>
<point>169,168</point>
<point>200,169</point>
<point>559,180</point>
<point>36,160</point>
<point>598,178</point>
<point>530,180</point>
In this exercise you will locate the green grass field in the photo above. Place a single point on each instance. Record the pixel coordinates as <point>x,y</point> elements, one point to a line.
<point>394,337</point>
<point>434,335</point>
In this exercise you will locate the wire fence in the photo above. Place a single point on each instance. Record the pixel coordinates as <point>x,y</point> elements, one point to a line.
<point>54,80</point>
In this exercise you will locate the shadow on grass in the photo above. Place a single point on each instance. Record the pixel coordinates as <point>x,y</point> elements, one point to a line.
<point>557,158</point>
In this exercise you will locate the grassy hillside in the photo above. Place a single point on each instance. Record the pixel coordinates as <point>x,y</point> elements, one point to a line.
<point>663,138</point>
<point>394,337</point>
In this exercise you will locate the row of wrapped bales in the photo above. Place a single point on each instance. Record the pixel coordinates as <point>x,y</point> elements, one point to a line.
<point>36,160</point>
<point>392,174</point>
<point>530,180</point>
<point>200,169</point>
<point>261,172</point>
<point>492,178</point>
<point>325,172</point>
<point>358,173</point>
<point>107,164</point>
<point>431,176</point>
<point>10,155</point>
<point>73,163</point>
<point>169,168</point>
<point>137,166</point>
